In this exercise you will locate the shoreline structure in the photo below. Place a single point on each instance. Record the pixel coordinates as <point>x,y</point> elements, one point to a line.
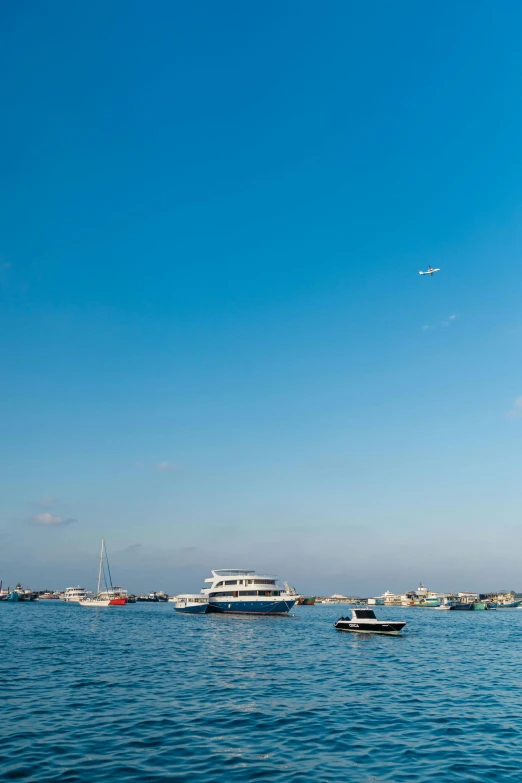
<point>422,597</point>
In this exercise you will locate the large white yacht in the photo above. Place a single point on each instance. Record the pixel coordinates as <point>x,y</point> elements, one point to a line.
<point>235,591</point>
<point>75,594</point>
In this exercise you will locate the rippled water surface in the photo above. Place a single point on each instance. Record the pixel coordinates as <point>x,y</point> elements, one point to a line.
<point>138,693</point>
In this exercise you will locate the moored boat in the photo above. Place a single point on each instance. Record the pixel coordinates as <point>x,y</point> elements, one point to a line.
<point>111,596</point>
<point>365,621</point>
<point>154,598</point>
<point>116,596</point>
<point>20,594</point>
<point>73,595</point>
<point>291,592</point>
<point>236,591</point>
<point>191,603</point>
<point>461,601</point>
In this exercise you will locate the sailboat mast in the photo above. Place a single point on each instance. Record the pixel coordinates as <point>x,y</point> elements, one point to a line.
<point>101,562</point>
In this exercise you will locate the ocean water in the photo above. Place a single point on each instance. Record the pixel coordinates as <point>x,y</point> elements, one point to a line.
<point>139,693</point>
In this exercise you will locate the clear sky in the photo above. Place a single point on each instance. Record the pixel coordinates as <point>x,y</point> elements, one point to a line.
<point>215,348</point>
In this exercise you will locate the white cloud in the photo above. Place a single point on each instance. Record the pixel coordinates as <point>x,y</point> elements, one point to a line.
<point>165,467</point>
<point>447,322</point>
<point>516,410</point>
<point>49,520</point>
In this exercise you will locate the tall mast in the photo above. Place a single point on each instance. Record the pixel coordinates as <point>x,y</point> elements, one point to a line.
<point>101,561</point>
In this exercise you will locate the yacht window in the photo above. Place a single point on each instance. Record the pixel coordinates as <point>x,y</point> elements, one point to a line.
<point>234,582</point>
<point>365,614</point>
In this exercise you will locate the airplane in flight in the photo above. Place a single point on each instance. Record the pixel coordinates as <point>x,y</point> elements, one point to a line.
<point>430,271</point>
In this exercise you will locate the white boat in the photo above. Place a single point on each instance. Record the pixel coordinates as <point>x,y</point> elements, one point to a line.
<point>111,596</point>
<point>236,591</point>
<point>73,595</point>
<point>292,592</point>
<point>191,603</point>
<point>365,621</point>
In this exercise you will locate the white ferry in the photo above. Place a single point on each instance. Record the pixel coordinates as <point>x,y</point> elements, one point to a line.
<point>235,591</point>
<point>75,594</point>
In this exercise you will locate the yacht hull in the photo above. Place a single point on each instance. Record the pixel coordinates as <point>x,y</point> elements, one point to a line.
<point>250,607</point>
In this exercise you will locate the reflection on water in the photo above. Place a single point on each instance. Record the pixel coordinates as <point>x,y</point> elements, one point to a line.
<point>139,693</point>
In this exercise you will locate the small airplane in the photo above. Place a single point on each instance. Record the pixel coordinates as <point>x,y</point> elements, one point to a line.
<point>430,271</point>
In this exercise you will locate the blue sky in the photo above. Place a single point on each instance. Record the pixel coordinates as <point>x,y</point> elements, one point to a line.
<point>215,346</point>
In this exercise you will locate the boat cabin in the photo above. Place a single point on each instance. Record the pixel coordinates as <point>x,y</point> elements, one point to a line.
<point>363,614</point>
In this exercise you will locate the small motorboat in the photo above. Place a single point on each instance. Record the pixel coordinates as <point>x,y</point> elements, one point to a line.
<point>191,603</point>
<point>364,621</point>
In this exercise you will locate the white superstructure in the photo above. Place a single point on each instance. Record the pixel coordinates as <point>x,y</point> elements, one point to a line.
<point>236,591</point>
<point>75,594</point>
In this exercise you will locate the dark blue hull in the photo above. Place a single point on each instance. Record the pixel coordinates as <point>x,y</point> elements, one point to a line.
<point>250,607</point>
<point>197,609</point>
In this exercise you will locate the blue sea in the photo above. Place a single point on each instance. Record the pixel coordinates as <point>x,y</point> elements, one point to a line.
<point>139,693</point>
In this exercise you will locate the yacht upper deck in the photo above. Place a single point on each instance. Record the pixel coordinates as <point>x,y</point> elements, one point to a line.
<point>233,577</point>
